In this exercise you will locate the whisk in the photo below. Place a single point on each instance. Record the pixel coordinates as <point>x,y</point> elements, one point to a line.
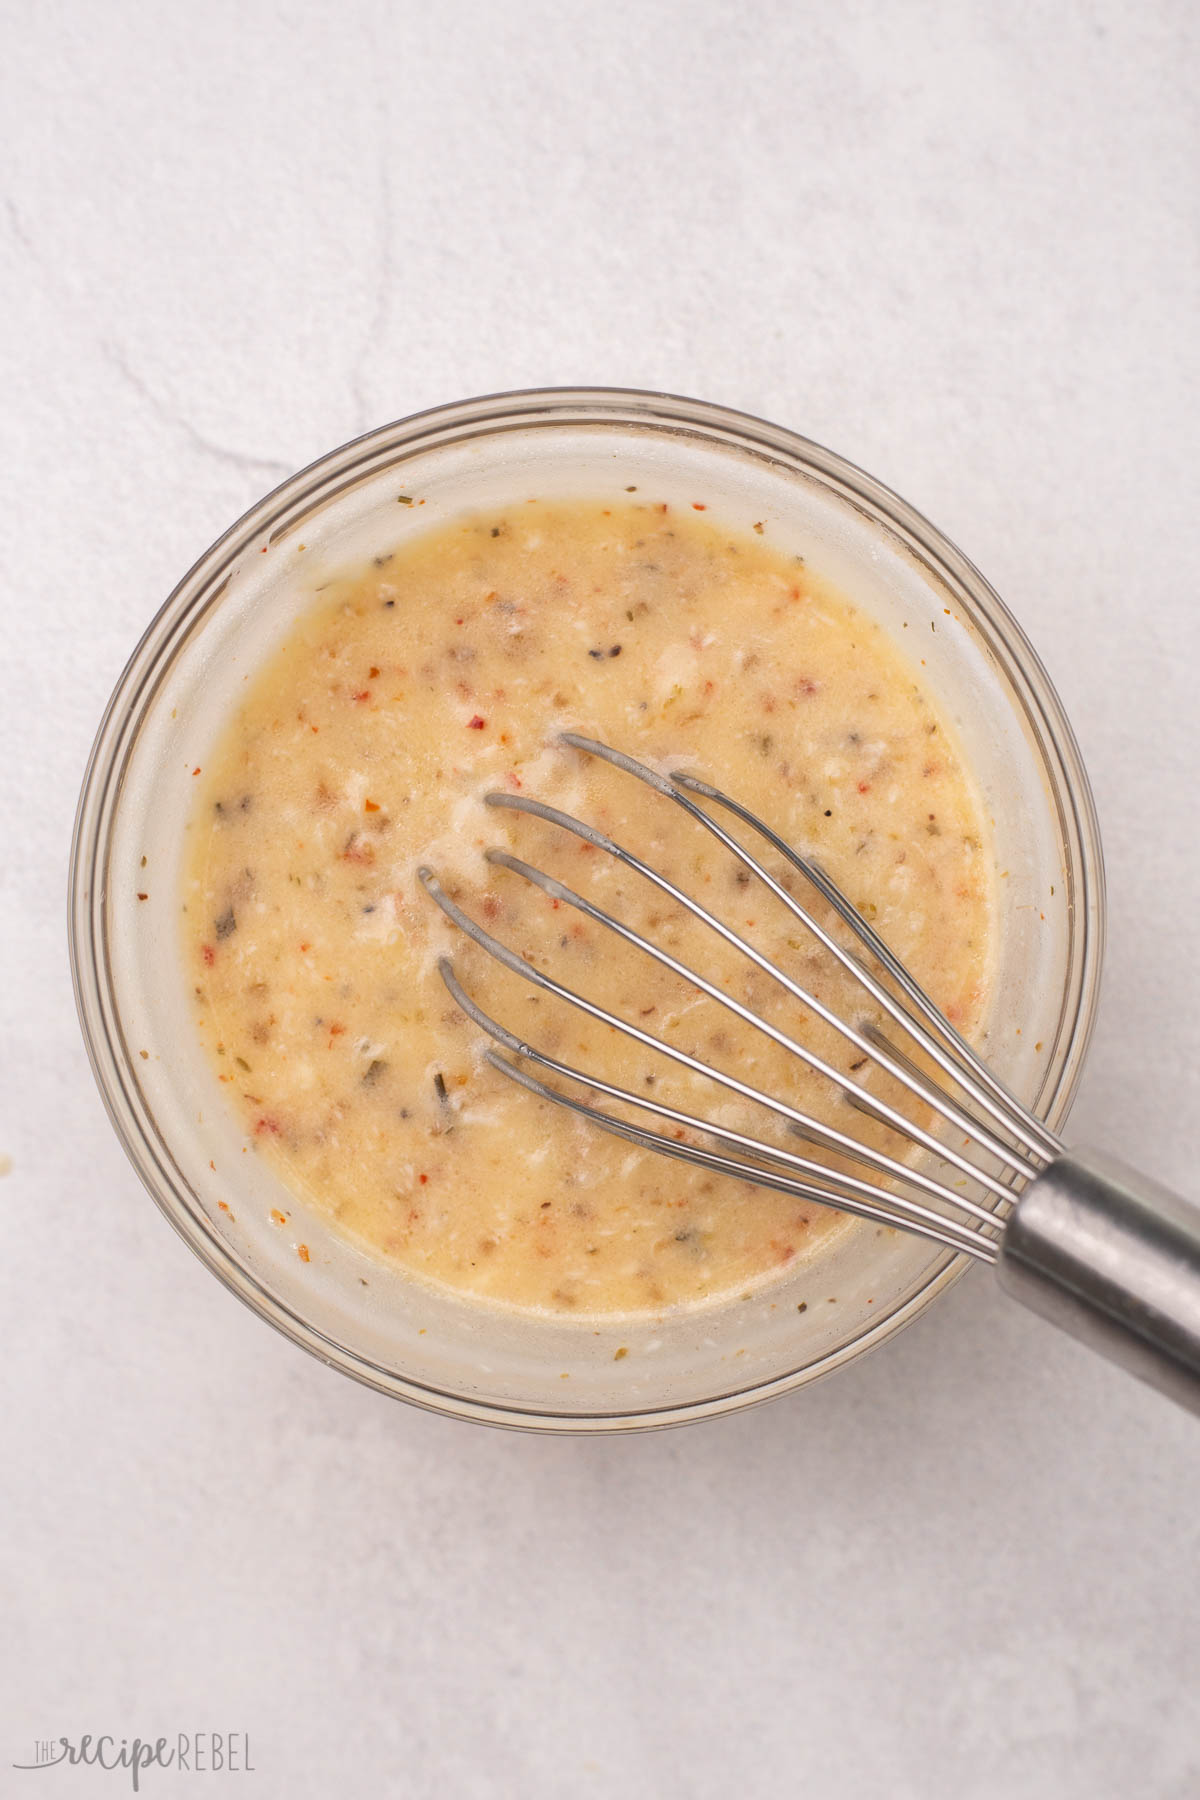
<point>1081,1239</point>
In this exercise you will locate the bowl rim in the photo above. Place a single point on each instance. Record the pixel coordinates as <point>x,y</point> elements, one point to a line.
<point>274,516</point>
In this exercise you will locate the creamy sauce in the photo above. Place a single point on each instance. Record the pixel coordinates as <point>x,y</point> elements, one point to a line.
<point>364,748</point>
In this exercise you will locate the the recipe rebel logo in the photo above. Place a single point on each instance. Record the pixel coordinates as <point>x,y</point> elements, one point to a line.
<point>191,1753</point>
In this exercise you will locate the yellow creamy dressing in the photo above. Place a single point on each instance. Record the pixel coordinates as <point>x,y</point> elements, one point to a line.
<point>363,750</point>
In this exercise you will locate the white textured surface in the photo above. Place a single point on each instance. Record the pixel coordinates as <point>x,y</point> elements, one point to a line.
<point>955,242</point>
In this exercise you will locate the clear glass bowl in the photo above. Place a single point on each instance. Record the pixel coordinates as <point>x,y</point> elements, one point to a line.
<point>404,1337</point>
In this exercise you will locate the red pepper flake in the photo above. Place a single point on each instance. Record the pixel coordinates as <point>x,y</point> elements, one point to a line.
<point>370,806</point>
<point>476,724</point>
<point>223,1205</point>
<point>864,787</point>
<point>278,1218</point>
<point>459,621</point>
<point>337,1031</point>
<point>372,673</point>
<point>302,1253</point>
<point>513,779</point>
<point>267,1124</point>
<point>358,850</point>
<point>143,896</point>
<point>422,1179</point>
<point>195,772</point>
<point>699,506</point>
<point>209,955</point>
<point>362,696</point>
<point>489,906</point>
<point>304,949</point>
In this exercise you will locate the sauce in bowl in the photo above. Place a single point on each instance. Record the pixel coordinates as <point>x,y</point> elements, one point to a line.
<point>364,748</point>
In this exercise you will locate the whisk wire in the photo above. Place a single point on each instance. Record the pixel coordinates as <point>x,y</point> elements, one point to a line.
<point>877,1204</point>
<point>834,1181</point>
<point>760,1162</point>
<point>835,1140</point>
<point>887,1114</point>
<point>903,1070</point>
<point>986,1091</point>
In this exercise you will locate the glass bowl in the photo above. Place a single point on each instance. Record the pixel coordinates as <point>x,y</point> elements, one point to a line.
<point>407,1338</point>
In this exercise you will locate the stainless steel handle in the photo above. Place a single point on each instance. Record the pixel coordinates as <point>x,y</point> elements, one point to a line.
<point>1114,1259</point>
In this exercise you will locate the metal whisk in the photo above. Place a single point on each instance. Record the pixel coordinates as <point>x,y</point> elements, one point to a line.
<point>1086,1242</point>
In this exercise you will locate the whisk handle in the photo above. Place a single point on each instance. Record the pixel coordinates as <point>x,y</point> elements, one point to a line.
<point>1114,1259</point>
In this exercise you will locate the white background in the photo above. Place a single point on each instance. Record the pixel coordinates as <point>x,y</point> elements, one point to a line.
<point>957,243</point>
